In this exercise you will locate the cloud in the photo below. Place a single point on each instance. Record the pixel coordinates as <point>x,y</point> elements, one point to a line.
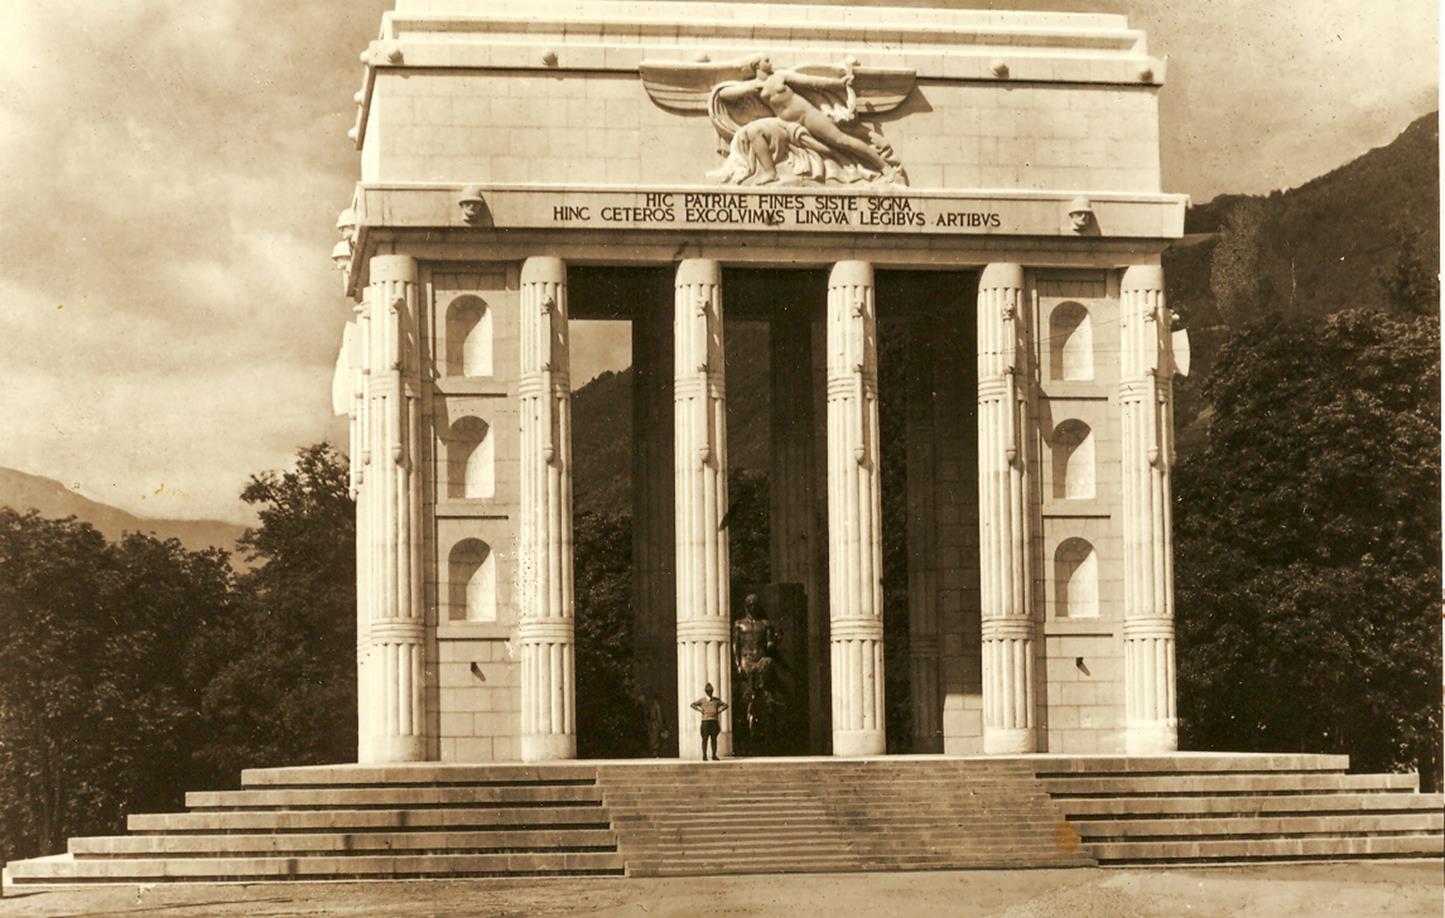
<point>168,310</point>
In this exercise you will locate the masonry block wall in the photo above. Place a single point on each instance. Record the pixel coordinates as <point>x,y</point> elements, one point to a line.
<point>470,345</point>
<point>1077,551</point>
<point>586,128</point>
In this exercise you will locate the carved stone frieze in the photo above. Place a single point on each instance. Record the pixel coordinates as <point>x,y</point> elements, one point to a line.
<point>801,126</point>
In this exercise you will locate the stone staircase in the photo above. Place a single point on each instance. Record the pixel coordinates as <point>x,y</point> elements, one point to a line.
<point>817,815</point>
<point>357,822</point>
<point>1192,809</point>
<point>672,818</point>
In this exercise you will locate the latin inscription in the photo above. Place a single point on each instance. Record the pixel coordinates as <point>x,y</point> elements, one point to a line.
<point>754,210</point>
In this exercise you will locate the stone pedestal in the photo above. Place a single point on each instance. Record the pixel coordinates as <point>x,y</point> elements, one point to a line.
<point>545,630</point>
<point>390,671</point>
<point>701,498</point>
<point>855,545</point>
<point>1146,415</point>
<point>1004,375</point>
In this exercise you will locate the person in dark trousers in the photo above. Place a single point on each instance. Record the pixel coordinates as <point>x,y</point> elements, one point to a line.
<point>711,709</point>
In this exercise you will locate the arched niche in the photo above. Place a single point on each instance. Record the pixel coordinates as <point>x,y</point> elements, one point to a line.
<point>1071,343</point>
<point>469,337</point>
<point>472,589</point>
<point>471,463</point>
<point>1071,447</point>
<point>1076,580</point>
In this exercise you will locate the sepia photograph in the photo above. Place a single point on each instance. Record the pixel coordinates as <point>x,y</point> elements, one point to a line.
<point>756,457</point>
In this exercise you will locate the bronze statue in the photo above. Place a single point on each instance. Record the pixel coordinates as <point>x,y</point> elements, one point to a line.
<point>755,646</point>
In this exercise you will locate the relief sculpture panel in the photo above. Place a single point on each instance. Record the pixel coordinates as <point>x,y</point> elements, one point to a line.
<point>802,126</point>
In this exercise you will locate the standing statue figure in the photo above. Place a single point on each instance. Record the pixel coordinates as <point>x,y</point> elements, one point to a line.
<point>755,645</point>
<point>805,118</point>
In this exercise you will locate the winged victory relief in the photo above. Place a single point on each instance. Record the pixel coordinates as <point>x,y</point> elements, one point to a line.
<point>799,126</point>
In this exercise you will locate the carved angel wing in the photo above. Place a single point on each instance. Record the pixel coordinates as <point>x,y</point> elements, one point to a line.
<point>684,86</point>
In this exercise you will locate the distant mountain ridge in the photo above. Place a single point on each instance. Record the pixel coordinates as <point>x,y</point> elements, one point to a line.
<point>1325,246</point>
<point>1328,238</point>
<point>23,492</point>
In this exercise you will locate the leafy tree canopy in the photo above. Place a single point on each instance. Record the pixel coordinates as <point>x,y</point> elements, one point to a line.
<point>1307,544</point>
<point>98,705</point>
<point>283,683</point>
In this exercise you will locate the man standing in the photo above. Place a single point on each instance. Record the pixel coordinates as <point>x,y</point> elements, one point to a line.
<point>711,709</point>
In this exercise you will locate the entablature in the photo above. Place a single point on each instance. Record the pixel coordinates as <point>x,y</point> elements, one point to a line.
<point>899,227</point>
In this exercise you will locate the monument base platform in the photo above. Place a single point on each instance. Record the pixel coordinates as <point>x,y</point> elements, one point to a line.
<point>779,815</point>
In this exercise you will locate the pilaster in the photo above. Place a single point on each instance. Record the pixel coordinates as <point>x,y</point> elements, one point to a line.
<point>545,629</point>
<point>1146,406</point>
<point>855,557</point>
<point>704,653</point>
<point>1006,584</point>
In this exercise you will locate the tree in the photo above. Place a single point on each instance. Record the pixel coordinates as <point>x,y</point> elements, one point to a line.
<point>282,686</point>
<point>749,524</point>
<point>98,708</point>
<point>609,720</point>
<point>1411,276</point>
<point>1307,545</point>
<point>1239,275</point>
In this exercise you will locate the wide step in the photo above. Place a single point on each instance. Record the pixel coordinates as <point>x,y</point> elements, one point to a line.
<point>320,867</point>
<point>1133,816</point>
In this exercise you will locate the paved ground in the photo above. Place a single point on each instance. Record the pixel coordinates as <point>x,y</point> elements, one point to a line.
<point>1398,890</point>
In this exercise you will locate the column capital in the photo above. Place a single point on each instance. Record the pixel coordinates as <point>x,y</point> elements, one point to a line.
<point>1001,274</point>
<point>544,269</point>
<point>393,268</point>
<point>698,271</point>
<point>1142,277</point>
<point>850,274</point>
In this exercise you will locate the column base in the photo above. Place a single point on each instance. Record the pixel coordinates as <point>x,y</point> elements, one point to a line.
<point>1151,738</point>
<point>382,750</point>
<point>1013,741</point>
<point>689,748</point>
<point>852,743</point>
<point>548,747</point>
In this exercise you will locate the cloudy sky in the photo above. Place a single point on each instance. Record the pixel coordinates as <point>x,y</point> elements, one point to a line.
<point>172,171</point>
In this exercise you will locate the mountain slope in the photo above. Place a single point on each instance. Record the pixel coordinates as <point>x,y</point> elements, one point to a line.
<point>1327,239</point>
<point>602,423</point>
<point>23,492</point>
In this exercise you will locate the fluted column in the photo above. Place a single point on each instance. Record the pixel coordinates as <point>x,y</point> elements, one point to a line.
<point>389,511</point>
<point>356,415</point>
<point>923,643</point>
<point>1004,379</point>
<point>545,629</point>
<point>700,465</point>
<point>1147,415</point>
<point>855,542</point>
